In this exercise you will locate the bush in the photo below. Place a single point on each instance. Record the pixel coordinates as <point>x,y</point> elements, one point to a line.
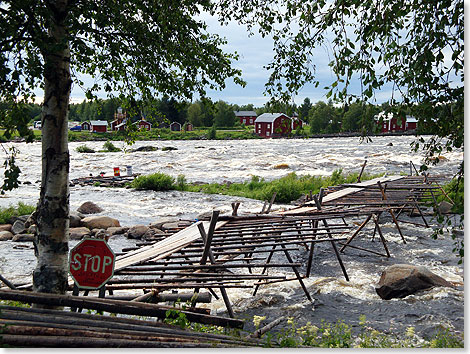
<point>212,133</point>
<point>109,147</point>
<point>7,213</point>
<point>155,182</point>
<point>85,149</point>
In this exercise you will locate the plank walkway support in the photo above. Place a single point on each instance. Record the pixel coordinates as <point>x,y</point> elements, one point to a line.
<point>335,249</point>
<point>384,197</point>
<point>7,283</point>
<point>360,173</point>
<point>207,253</point>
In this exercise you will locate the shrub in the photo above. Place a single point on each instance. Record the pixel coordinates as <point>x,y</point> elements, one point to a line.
<point>181,182</point>
<point>155,182</point>
<point>7,213</point>
<point>109,146</point>
<point>212,133</point>
<point>84,149</point>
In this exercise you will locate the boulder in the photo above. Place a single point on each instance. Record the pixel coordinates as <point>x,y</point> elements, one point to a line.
<point>102,234</point>
<point>445,207</point>
<point>159,223</point>
<point>170,225</point>
<point>145,149</point>
<point>75,219</point>
<point>137,231</point>
<point>77,233</point>
<point>89,208</point>
<point>100,222</point>
<point>5,227</point>
<point>169,148</point>
<point>117,230</point>
<point>401,280</point>
<point>5,235</point>
<point>18,227</point>
<point>153,234</point>
<point>23,238</point>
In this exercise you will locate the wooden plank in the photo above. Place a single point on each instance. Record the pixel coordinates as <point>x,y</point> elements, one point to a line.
<point>339,194</point>
<point>161,249</point>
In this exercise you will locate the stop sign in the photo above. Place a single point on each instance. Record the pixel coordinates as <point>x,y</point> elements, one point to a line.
<point>91,263</point>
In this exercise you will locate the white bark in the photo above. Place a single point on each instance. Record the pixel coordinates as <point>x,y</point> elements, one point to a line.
<point>52,214</point>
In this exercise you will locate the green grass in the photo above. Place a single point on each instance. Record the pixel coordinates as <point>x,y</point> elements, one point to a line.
<point>287,188</point>
<point>154,182</point>
<point>21,209</point>
<point>84,149</point>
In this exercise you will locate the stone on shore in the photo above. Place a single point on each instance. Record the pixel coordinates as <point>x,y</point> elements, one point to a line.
<point>117,230</point>
<point>159,223</point>
<point>75,219</point>
<point>23,238</point>
<point>445,207</point>
<point>18,227</point>
<point>77,233</point>
<point>89,208</point>
<point>5,227</point>
<point>5,235</point>
<point>137,231</point>
<point>100,222</point>
<point>401,280</point>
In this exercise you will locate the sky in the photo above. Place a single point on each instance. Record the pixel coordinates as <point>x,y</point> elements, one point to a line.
<point>254,53</point>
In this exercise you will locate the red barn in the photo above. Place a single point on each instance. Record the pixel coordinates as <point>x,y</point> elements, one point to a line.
<point>246,117</point>
<point>273,124</point>
<point>143,124</point>
<point>188,127</point>
<point>395,124</point>
<point>98,126</point>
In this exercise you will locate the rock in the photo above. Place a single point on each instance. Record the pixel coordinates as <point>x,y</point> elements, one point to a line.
<point>401,280</point>
<point>117,230</point>
<point>160,222</point>
<point>77,233</point>
<point>102,234</point>
<point>281,166</point>
<point>23,238</point>
<point>390,144</point>
<point>33,229</point>
<point>5,235</point>
<point>89,208</point>
<point>169,148</point>
<point>23,218</point>
<point>137,231</point>
<point>445,207</point>
<point>75,219</point>
<point>5,227</point>
<point>18,227</point>
<point>170,225</point>
<point>100,222</point>
<point>145,148</point>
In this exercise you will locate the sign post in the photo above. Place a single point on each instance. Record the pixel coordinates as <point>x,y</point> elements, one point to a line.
<point>91,263</point>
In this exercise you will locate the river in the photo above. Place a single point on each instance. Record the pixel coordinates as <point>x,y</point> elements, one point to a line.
<point>238,160</point>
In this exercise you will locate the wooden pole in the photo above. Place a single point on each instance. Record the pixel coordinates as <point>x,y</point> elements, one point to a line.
<point>362,170</point>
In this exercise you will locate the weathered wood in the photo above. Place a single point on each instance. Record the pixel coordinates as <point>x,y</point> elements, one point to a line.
<point>259,332</point>
<point>113,306</point>
<point>7,283</point>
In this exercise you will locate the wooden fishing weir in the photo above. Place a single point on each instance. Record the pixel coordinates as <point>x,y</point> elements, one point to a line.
<point>247,251</point>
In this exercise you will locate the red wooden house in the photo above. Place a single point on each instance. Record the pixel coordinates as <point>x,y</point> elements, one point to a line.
<point>188,127</point>
<point>143,124</point>
<point>273,124</point>
<point>246,117</point>
<point>98,126</point>
<point>175,127</point>
<point>86,125</point>
<point>119,118</point>
<point>390,123</point>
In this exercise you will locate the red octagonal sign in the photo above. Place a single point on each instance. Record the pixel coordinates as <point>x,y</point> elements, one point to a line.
<point>91,263</point>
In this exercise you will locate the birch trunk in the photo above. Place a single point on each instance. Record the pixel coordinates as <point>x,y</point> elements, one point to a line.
<point>52,214</point>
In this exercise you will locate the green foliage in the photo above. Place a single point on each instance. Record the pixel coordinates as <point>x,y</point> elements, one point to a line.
<point>224,115</point>
<point>12,171</point>
<point>84,149</point>
<point>155,182</point>
<point>212,133</point>
<point>9,212</point>
<point>181,182</point>
<point>109,146</point>
<point>177,318</point>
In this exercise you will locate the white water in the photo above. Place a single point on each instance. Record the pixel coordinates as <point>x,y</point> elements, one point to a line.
<point>218,161</point>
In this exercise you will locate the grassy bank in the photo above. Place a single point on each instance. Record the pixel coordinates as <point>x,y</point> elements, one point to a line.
<point>287,188</point>
<point>6,214</point>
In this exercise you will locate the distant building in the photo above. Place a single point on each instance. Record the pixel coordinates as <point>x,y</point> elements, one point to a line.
<point>246,117</point>
<point>273,124</point>
<point>389,123</point>
<point>188,127</point>
<point>143,124</point>
<point>119,118</point>
<point>86,125</point>
<point>175,127</point>
<point>98,126</point>
<point>296,121</point>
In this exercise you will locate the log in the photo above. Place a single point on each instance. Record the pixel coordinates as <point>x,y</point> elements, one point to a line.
<point>114,306</point>
<point>258,333</point>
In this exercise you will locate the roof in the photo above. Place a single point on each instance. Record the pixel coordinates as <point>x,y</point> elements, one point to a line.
<point>143,120</point>
<point>411,119</point>
<point>98,122</point>
<point>175,123</point>
<point>269,117</point>
<point>245,113</point>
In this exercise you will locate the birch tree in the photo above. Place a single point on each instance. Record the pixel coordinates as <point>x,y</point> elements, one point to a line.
<point>133,49</point>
